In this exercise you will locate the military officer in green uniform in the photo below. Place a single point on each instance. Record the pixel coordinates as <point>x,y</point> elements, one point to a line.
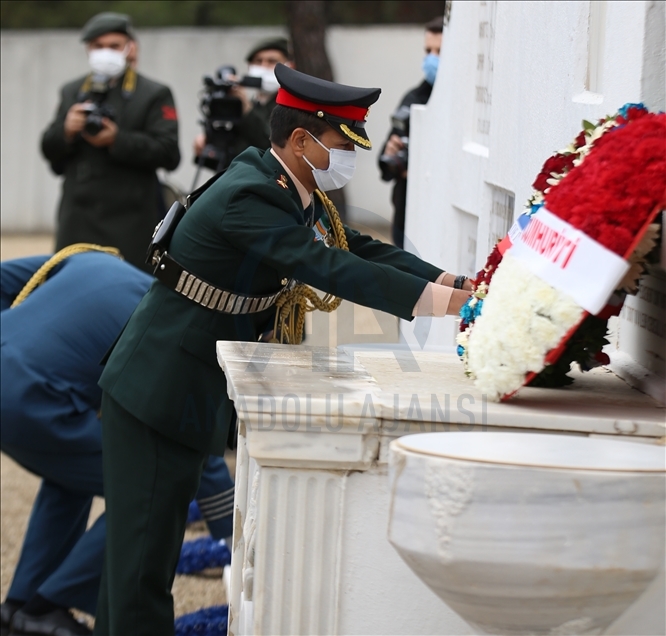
<point>113,129</point>
<point>231,259</point>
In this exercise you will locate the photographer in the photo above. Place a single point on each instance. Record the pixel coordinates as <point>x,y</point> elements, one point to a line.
<point>112,130</point>
<point>394,156</point>
<point>252,128</point>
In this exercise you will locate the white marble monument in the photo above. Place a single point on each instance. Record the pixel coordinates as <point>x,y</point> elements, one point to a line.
<point>310,552</point>
<point>514,83</point>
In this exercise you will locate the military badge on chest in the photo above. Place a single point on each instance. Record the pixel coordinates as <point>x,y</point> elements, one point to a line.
<point>322,232</point>
<point>282,181</point>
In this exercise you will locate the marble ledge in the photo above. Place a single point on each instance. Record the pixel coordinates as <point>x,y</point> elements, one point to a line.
<point>319,407</point>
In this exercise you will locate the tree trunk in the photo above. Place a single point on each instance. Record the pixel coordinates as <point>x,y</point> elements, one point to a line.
<point>307,27</point>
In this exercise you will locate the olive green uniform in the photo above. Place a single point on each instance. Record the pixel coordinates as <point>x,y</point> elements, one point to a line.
<point>163,387</point>
<point>110,194</point>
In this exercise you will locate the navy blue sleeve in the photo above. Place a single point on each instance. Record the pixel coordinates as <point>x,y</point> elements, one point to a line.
<point>15,274</point>
<point>215,498</point>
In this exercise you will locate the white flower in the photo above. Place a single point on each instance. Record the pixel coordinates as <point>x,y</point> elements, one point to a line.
<point>523,318</point>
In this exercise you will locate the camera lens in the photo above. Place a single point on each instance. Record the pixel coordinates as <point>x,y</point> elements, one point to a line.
<point>93,125</point>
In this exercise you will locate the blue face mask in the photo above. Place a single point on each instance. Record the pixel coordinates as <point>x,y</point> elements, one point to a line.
<point>430,64</point>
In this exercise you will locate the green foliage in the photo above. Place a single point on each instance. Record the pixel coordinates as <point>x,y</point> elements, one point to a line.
<point>53,14</point>
<point>72,14</point>
<point>588,340</point>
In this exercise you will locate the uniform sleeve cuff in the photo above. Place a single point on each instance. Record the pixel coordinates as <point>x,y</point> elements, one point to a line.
<point>434,301</point>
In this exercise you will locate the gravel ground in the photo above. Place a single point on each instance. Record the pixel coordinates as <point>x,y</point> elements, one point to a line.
<point>17,493</point>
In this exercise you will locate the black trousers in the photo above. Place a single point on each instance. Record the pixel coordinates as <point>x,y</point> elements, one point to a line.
<point>149,481</point>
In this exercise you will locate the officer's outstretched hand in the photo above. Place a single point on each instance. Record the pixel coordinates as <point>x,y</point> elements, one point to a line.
<point>104,137</point>
<point>458,299</point>
<point>75,120</point>
<point>440,300</point>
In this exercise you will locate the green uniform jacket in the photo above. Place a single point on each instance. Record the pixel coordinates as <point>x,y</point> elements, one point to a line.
<point>110,195</point>
<point>246,233</point>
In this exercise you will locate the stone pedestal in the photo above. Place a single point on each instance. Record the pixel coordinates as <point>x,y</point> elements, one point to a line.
<point>310,553</point>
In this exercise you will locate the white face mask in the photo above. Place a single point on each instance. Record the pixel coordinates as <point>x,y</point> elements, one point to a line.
<point>341,166</point>
<point>107,61</point>
<point>269,83</point>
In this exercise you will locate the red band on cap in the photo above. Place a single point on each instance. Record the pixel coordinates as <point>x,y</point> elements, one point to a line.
<point>356,113</point>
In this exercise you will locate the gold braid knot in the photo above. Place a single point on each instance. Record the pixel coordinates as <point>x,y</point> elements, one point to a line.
<point>292,306</point>
<point>42,273</point>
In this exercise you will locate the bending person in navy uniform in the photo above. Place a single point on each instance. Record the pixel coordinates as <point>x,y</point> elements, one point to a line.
<point>52,344</point>
<point>235,251</point>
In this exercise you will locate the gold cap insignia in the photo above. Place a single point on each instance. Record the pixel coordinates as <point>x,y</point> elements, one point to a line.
<point>350,134</point>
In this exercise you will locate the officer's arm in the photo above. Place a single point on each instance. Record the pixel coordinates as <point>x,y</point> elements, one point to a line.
<point>156,146</point>
<point>378,252</point>
<point>14,275</point>
<point>275,238</point>
<point>55,148</point>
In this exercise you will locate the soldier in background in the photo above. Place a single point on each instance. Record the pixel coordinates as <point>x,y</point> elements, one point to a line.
<point>113,129</point>
<point>393,158</point>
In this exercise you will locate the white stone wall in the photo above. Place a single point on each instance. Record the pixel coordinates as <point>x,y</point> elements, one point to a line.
<point>34,64</point>
<point>515,81</point>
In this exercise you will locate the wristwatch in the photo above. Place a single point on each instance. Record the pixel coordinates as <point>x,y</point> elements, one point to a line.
<point>459,282</point>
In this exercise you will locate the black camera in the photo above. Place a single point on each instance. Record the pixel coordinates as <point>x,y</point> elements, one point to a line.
<point>394,166</point>
<point>96,110</point>
<point>95,114</point>
<point>222,112</point>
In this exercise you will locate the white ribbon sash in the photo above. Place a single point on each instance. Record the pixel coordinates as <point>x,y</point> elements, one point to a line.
<point>568,259</point>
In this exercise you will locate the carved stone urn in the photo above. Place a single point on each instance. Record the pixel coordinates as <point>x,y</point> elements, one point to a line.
<point>527,533</point>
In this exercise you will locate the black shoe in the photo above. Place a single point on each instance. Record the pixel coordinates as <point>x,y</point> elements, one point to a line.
<point>59,622</point>
<point>7,610</point>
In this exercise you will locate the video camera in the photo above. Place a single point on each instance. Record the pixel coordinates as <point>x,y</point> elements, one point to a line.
<point>396,165</point>
<point>97,109</point>
<point>222,112</point>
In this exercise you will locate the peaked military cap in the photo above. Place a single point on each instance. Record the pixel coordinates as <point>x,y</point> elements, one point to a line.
<point>271,44</point>
<point>107,22</point>
<point>344,108</point>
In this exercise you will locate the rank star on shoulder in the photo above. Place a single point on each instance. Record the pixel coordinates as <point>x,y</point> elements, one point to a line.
<point>283,182</point>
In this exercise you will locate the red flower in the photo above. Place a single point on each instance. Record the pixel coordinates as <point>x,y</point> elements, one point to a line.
<point>486,274</point>
<point>602,358</point>
<point>580,141</point>
<point>633,113</point>
<point>612,193</point>
<point>558,164</point>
